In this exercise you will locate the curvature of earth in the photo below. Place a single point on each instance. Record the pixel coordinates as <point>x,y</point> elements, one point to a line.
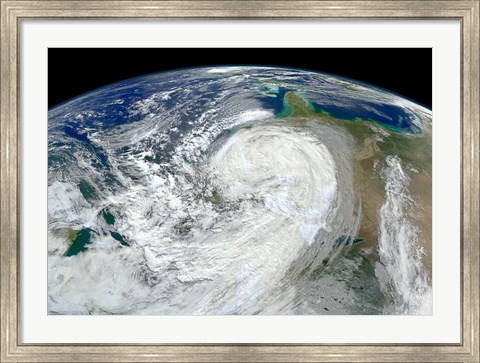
<point>239,190</point>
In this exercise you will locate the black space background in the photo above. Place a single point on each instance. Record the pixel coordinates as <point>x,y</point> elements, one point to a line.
<point>405,71</point>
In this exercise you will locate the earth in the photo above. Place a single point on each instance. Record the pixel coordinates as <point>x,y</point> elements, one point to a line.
<point>239,190</point>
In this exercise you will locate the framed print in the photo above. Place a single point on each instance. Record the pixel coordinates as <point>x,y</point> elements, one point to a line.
<point>240,181</point>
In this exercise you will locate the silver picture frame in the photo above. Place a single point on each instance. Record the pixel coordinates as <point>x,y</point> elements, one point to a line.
<point>467,12</point>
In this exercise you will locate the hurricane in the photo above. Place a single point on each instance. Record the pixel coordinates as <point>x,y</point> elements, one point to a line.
<point>239,190</point>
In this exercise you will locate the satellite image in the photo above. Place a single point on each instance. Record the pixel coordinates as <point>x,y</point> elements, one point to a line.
<point>239,190</point>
